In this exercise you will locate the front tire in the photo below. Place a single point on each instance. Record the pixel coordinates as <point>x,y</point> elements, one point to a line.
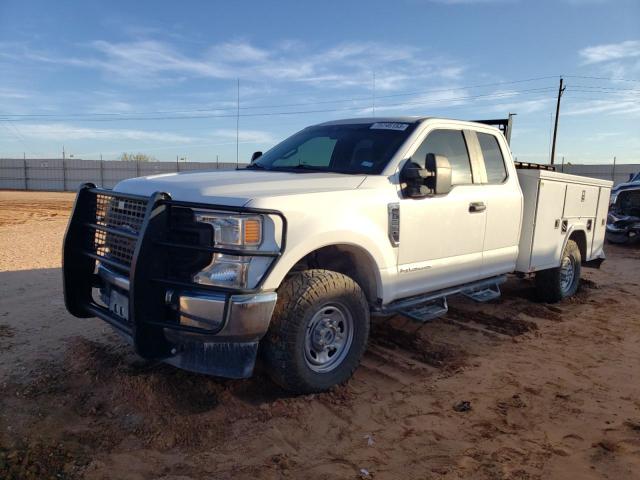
<point>318,332</point>
<point>558,283</point>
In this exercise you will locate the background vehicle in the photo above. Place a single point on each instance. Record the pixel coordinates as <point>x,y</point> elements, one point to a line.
<point>633,182</point>
<point>623,221</point>
<point>340,221</point>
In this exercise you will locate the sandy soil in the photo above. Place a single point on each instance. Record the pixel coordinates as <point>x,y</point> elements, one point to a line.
<point>513,389</point>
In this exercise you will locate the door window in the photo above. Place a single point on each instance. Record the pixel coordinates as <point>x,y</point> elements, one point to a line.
<point>493,160</point>
<point>452,145</point>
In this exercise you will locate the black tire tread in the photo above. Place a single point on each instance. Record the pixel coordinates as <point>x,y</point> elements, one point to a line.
<point>548,281</point>
<point>296,296</point>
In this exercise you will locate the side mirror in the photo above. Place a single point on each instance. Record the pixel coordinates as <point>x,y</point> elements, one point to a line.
<point>435,179</point>
<point>255,156</point>
<point>440,180</point>
<point>415,178</point>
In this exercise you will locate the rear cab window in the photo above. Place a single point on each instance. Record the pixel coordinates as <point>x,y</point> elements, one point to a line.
<point>493,158</point>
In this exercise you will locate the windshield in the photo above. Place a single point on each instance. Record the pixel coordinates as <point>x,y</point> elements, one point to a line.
<point>349,148</point>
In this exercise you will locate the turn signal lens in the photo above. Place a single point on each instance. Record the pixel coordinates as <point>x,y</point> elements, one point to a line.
<point>252,232</point>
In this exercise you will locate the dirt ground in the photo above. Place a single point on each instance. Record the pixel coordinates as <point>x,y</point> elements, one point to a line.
<point>513,389</point>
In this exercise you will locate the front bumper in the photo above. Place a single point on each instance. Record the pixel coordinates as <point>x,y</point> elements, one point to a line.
<point>236,324</point>
<point>196,327</point>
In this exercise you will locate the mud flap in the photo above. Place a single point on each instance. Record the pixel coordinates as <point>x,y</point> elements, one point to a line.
<point>221,359</point>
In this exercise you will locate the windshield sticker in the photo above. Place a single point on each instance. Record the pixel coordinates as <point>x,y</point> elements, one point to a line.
<point>367,164</point>
<point>389,126</point>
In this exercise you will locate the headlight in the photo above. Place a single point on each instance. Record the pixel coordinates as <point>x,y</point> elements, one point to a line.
<point>234,232</point>
<point>613,198</point>
<point>225,270</point>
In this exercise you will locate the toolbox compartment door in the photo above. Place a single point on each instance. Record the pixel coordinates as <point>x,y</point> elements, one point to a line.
<point>600,224</point>
<point>548,235</point>
<point>581,201</point>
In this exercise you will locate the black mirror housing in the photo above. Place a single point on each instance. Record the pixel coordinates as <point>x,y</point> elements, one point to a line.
<point>439,182</point>
<point>255,156</point>
<point>435,179</point>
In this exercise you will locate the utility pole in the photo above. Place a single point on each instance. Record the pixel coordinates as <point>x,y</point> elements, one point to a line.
<point>555,127</point>
<point>238,129</point>
<point>562,167</point>
<point>613,170</point>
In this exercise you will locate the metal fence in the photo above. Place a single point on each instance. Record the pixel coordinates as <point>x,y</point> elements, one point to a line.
<point>66,175</point>
<point>56,174</point>
<point>619,174</point>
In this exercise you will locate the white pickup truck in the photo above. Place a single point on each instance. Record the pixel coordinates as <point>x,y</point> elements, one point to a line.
<point>288,258</point>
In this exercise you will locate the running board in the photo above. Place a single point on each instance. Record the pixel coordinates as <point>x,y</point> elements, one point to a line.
<point>424,308</point>
<point>483,295</point>
<point>425,312</point>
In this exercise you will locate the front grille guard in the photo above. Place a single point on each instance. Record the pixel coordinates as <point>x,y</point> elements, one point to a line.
<point>147,268</point>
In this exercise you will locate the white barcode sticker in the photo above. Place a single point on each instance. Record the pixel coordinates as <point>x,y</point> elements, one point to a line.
<point>389,126</point>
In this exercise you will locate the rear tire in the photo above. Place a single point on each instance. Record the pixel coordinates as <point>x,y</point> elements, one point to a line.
<point>558,283</point>
<point>318,332</point>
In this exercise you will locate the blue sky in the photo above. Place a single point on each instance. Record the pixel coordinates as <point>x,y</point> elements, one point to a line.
<point>161,77</point>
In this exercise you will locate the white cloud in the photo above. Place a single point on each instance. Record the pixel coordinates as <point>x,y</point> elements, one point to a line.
<point>580,3</point>
<point>523,106</point>
<point>63,131</point>
<point>149,62</point>
<point>449,98</point>
<point>8,93</point>
<point>246,136</point>
<point>625,107</point>
<point>468,2</point>
<point>611,51</point>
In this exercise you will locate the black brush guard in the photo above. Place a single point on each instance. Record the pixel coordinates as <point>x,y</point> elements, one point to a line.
<point>148,269</point>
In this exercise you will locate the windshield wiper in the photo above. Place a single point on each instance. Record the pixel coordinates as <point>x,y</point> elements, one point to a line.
<point>301,166</point>
<point>256,166</point>
<point>305,166</point>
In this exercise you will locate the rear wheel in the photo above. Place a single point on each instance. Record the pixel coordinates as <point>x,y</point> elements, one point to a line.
<point>318,332</point>
<point>555,284</point>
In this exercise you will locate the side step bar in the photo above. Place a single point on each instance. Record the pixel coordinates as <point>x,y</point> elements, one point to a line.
<point>424,308</point>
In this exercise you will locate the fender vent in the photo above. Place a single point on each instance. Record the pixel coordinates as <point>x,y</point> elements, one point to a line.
<point>394,223</point>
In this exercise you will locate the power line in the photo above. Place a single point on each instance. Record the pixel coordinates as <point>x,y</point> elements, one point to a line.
<point>611,79</point>
<point>298,104</point>
<point>301,112</point>
<point>600,87</point>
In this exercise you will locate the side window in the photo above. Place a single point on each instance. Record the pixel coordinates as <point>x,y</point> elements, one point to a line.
<point>493,160</point>
<point>316,151</point>
<point>451,144</point>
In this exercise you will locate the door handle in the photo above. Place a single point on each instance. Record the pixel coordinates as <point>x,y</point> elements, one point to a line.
<point>477,207</point>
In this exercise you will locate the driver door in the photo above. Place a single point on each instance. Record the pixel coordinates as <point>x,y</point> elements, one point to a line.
<point>441,237</point>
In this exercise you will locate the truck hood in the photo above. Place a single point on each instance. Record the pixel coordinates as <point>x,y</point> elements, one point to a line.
<point>237,187</point>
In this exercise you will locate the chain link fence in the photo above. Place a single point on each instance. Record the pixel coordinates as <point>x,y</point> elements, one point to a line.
<point>56,174</point>
<point>618,174</point>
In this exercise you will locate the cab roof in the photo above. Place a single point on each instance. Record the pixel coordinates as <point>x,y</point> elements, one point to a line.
<point>351,121</point>
<point>398,119</point>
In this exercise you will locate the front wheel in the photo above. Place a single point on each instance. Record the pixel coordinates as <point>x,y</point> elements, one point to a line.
<point>318,332</point>
<point>555,284</point>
